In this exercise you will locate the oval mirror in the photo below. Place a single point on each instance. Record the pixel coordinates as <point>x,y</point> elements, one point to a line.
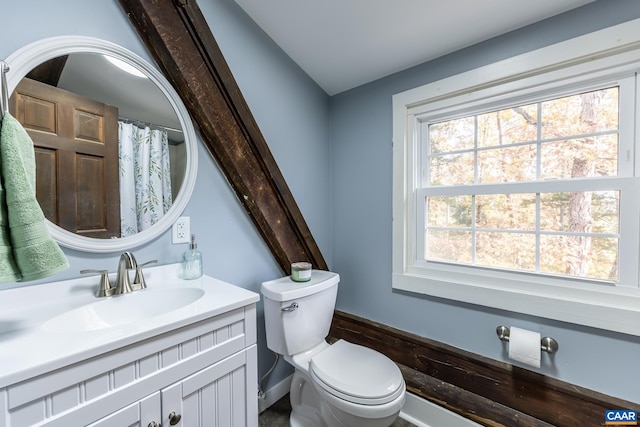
<point>85,192</point>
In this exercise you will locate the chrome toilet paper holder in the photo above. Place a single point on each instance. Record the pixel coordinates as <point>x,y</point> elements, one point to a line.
<point>547,344</point>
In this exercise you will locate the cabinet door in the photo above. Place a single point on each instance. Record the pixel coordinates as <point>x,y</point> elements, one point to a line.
<point>140,414</point>
<point>213,397</point>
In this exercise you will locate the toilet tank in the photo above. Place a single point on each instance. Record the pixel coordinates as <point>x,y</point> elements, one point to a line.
<point>298,315</point>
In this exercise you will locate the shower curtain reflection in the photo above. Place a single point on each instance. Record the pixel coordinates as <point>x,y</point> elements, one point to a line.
<point>145,182</point>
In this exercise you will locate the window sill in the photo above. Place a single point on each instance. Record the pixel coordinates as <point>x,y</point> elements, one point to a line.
<point>616,309</point>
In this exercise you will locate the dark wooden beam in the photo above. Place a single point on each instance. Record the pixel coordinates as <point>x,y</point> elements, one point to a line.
<point>179,38</point>
<point>490,392</point>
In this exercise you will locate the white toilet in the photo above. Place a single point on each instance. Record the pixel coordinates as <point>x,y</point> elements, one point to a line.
<point>342,384</point>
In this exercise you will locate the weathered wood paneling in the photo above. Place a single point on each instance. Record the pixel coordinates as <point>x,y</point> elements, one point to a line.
<point>487,391</point>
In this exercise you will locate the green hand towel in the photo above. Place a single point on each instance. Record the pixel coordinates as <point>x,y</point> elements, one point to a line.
<point>36,255</point>
<point>8,269</point>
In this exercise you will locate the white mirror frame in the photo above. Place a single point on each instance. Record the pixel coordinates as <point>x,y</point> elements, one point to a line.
<point>27,58</point>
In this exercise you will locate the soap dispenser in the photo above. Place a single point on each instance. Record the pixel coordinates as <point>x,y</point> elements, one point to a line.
<point>192,261</point>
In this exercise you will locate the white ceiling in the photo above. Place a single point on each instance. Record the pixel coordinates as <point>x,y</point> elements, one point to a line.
<point>342,44</point>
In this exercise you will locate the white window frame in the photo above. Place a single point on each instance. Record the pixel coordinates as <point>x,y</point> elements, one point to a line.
<point>610,54</point>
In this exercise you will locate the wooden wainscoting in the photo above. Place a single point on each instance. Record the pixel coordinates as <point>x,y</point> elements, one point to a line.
<point>487,391</point>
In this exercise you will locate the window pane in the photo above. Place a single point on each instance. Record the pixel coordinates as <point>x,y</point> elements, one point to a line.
<point>509,126</point>
<point>573,234</point>
<point>511,164</point>
<point>448,211</point>
<point>584,113</point>
<point>584,212</point>
<point>576,158</point>
<point>452,169</point>
<point>448,245</point>
<point>452,135</point>
<point>588,257</point>
<point>506,211</point>
<point>506,250</point>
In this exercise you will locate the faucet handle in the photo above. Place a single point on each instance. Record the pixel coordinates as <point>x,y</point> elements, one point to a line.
<point>138,280</point>
<point>104,289</point>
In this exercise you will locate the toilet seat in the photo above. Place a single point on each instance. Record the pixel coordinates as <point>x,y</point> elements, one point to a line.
<point>356,374</point>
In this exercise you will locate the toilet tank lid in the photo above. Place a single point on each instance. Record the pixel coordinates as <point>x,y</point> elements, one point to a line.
<point>285,289</point>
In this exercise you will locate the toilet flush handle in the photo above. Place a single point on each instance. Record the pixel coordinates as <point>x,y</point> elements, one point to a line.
<point>292,307</point>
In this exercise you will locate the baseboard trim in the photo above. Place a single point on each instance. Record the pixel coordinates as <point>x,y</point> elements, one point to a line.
<point>422,413</point>
<point>274,394</point>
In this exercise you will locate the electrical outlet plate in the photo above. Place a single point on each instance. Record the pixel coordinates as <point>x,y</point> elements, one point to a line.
<point>181,232</point>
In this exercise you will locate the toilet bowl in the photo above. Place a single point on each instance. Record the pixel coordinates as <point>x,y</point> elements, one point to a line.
<point>334,385</point>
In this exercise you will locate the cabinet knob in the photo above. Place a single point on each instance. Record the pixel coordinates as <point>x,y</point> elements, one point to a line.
<point>153,424</point>
<point>174,418</point>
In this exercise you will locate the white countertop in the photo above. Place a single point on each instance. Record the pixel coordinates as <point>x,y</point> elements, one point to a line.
<point>27,348</point>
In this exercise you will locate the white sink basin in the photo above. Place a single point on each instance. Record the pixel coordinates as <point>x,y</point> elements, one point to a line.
<point>67,320</point>
<point>12,327</point>
<point>122,310</point>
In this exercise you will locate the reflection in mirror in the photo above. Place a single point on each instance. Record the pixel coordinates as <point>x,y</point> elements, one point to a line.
<point>113,128</point>
<point>115,149</point>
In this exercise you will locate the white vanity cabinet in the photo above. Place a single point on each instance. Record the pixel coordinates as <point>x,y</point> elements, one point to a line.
<point>204,372</point>
<point>212,397</point>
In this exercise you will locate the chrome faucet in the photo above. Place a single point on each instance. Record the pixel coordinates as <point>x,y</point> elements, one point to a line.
<point>123,284</point>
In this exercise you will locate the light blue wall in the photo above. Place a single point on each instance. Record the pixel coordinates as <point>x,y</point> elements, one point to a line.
<point>290,109</point>
<point>343,187</point>
<point>361,162</point>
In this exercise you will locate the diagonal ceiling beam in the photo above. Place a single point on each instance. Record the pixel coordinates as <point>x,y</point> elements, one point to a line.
<point>178,36</point>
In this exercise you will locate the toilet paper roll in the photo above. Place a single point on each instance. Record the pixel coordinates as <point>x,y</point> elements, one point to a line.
<point>524,346</point>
